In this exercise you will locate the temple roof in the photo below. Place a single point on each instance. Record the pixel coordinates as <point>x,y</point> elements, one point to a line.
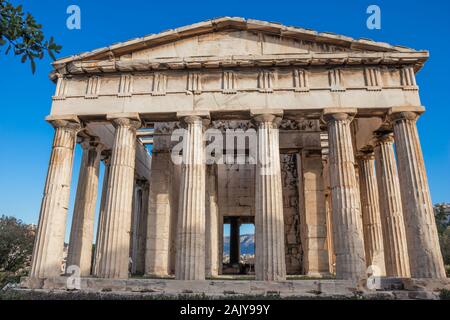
<point>335,44</point>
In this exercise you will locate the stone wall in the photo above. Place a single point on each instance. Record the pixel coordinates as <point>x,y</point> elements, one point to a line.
<point>293,248</point>
<point>236,188</point>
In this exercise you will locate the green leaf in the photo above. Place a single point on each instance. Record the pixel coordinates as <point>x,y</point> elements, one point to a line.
<point>51,54</point>
<point>23,34</point>
<point>33,65</point>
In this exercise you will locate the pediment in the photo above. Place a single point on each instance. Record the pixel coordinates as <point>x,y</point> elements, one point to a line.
<point>236,42</point>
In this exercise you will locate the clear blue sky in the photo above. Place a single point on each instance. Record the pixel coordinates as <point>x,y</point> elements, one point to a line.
<point>26,138</point>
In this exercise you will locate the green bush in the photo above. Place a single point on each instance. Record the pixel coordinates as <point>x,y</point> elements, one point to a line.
<point>447,270</point>
<point>444,294</point>
<point>16,246</point>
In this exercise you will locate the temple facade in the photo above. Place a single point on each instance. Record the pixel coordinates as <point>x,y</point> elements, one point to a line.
<point>329,170</point>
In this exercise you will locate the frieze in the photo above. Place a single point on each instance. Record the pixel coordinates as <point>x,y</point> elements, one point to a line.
<point>301,125</point>
<point>166,127</point>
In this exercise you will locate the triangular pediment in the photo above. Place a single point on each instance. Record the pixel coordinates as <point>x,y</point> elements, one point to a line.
<point>233,37</point>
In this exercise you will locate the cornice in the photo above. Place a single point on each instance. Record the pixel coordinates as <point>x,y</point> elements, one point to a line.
<point>305,60</point>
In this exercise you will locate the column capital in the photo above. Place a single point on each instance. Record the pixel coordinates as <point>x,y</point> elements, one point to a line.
<point>366,154</point>
<point>405,113</point>
<point>383,136</point>
<point>130,119</point>
<point>338,114</point>
<point>71,122</point>
<point>90,142</point>
<point>267,116</point>
<point>187,118</point>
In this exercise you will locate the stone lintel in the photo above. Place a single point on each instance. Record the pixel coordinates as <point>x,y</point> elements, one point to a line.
<point>259,112</point>
<point>350,111</point>
<point>127,115</point>
<point>202,114</point>
<point>416,109</point>
<point>65,117</point>
<point>311,152</point>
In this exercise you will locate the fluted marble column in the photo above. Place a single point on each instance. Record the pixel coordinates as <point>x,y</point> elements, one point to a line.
<point>269,225</point>
<point>373,235</point>
<point>114,259</point>
<point>49,244</point>
<point>100,243</point>
<point>394,239</point>
<point>423,243</point>
<point>142,229</point>
<point>347,220</point>
<point>82,231</point>
<point>212,223</point>
<point>135,221</point>
<point>190,256</point>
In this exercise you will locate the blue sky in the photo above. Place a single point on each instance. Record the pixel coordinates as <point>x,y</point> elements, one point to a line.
<point>25,98</point>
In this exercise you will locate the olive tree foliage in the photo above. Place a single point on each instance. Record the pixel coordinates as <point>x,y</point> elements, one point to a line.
<point>443,226</point>
<point>16,244</point>
<point>23,36</point>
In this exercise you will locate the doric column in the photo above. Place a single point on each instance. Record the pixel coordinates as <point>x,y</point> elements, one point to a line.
<point>347,220</point>
<point>82,231</point>
<point>423,244</point>
<point>190,256</point>
<point>394,240</point>
<point>373,235</point>
<point>212,222</point>
<point>49,243</point>
<point>114,259</point>
<point>157,251</point>
<point>142,228</point>
<point>269,225</point>
<point>101,227</point>
<point>235,249</point>
<point>134,234</point>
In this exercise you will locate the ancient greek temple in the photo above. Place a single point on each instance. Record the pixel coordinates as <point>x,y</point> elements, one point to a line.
<point>347,194</point>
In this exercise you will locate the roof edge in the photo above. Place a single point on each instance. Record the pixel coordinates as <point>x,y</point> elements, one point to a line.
<point>238,23</point>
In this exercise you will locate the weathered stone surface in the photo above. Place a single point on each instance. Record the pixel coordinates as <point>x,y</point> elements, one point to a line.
<point>423,244</point>
<point>190,256</point>
<point>158,224</point>
<point>373,235</point>
<point>49,243</point>
<point>269,226</point>
<point>114,259</point>
<point>291,213</point>
<point>313,215</point>
<point>347,220</point>
<point>100,242</point>
<point>82,231</point>
<point>394,237</point>
<point>212,223</point>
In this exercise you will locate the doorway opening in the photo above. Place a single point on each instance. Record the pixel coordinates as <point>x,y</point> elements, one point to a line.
<point>238,245</point>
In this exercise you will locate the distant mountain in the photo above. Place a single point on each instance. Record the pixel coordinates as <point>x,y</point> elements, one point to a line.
<point>247,244</point>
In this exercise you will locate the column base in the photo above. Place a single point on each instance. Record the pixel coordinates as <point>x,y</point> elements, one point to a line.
<point>315,274</point>
<point>31,283</point>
